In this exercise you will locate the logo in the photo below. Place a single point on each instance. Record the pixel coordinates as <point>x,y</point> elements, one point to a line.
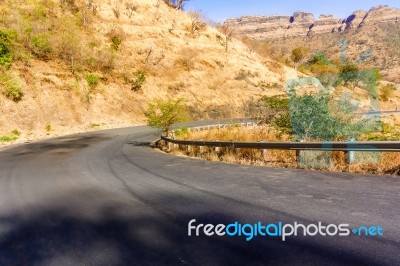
<point>279,230</point>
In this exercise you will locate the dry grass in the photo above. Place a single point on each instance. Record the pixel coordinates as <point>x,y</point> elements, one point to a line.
<point>365,162</point>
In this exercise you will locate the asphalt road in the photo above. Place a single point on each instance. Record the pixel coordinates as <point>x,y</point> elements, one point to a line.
<point>105,198</point>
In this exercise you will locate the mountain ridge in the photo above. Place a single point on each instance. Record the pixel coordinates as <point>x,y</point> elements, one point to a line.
<point>304,23</point>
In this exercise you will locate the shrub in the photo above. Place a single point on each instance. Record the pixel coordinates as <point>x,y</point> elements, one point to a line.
<point>278,112</point>
<point>115,42</point>
<point>48,127</point>
<point>268,85</point>
<point>276,103</point>
<point>387,92</point>
<point>41,45</point>
<point>163,114</point>
<point>349,73</point>
<point>138,81</point>
<point>311,117</point>
<point>14,135</point>
<point>319,58</point>
<point>12,87</point>
<point>6,39</point>
<point>298,54</point>
<point>197,25</point>
<point>92,80</point>
<point>181,132</point>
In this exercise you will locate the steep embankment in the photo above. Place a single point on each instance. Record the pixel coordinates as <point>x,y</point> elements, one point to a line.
<point>76,63</point>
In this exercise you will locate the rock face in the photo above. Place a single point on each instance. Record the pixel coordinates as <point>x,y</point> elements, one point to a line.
<point>304,24</point>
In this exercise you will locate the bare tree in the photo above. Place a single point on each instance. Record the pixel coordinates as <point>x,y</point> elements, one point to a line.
<point>197,24</point>
<point>130,9</point>
<point>227,37</point>
<point>178,4</point>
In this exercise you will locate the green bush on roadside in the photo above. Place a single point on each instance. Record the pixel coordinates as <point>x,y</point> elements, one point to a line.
<point>14,135</point>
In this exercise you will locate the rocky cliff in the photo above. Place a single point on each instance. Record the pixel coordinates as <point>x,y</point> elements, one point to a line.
<point>304,24</point>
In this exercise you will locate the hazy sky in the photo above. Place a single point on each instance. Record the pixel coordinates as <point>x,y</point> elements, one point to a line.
<point>219,10</point>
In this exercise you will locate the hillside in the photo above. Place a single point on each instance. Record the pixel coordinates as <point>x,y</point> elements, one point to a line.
<point>71,66</point>
<point>377,30</point>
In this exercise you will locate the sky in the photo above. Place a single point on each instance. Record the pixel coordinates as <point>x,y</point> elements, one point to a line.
<point>219,10</point>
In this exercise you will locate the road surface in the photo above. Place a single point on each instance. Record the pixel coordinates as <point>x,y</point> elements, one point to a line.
<point>106,198</point>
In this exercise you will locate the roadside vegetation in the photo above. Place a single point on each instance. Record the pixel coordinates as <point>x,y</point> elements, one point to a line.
<point>310,117</point>
<point>366,162</point>
<point>13,136</point>
<point>162,114</point>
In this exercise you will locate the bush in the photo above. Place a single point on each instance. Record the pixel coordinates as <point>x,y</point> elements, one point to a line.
<point>15,134</point>
<point>197,25</point>
<point>138,81</point>
<point>41,46</point>
<point>276,103</point>
<point>278,115</point>
<point>163,114</point>
<point>115,42</point>
<point>6,39</point>
<point>387,92</point>
<point>319,58</point>
<point>181,132</point>
<point>298,54</point>
<point>12,87</point>
<point>349,73</point>
<point>48,127</point>
<point>312,117</point>
<point>92,80</point>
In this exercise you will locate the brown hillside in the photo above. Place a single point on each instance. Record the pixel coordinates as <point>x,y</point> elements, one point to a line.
<point>75,62</point>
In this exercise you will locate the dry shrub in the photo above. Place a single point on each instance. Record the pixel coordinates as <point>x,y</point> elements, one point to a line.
<point>187,59</point>
<point>197,25</point>
<point>275,67</point>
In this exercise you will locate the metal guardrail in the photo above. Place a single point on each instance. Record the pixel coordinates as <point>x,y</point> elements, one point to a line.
<point>368,146</point>
<point>316,146</point>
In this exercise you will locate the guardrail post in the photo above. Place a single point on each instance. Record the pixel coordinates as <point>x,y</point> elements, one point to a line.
<point>350,155</point>
<point>264,153</point>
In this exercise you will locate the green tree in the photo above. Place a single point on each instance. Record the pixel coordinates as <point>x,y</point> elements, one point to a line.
<point>163,114</point>
<point>348,73</point>
<point>278,113</point>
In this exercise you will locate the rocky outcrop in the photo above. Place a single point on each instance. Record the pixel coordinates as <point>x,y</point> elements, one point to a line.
<point>325,24</point>
<point>304,24</point>
<point>355,19</point>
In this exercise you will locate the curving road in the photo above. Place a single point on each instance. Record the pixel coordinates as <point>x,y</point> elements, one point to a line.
<point>105,198</point>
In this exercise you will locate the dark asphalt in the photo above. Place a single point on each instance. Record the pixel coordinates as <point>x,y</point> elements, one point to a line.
<point>105,199</point>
